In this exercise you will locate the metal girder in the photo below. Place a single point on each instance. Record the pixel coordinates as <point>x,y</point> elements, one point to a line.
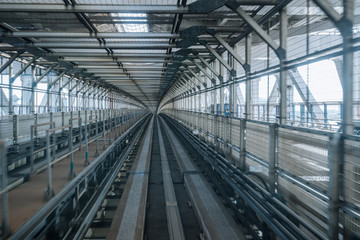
<point>11,59</point>
<point>210,67</point>
<point>204,71</point>
<point>73,87</point>
<point>56,79</point>
<point>301,86</point>
<point>134,35</point>
<point>132,68</point>
<point>146,45</point>
<point>122,71</point>
<point>229,49</point>
<point>235,6</point>
<point>44,74</point>
<point>93,8</point>
<point>68,81</point>
<point>13,78</point>
<point>219,58</point>
<point>204,84</point>
<point>89,87</point>
<point>112,60</point>
<point>195,84</point>
<point>106,55</point>
<point>327,8</point>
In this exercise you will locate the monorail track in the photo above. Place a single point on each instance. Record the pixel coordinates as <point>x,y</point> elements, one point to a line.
<point>150,189</point>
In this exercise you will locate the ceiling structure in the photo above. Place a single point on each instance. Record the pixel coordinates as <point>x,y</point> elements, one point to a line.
<point>131,46</point>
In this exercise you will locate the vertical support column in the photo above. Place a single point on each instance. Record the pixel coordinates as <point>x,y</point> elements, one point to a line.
<point>283,72</point>
<point>63,120</point>
<point>53,136</point>
<point>336,148</point>
<point>206,116</point>
<point>15,129</point>
<point>11,71</point>
<point>48,193</point>
<point>31,149</point>
<point>242,164</point>
<point>80,130</point>
<point>110,124</point>
<point>97,132</point>
<point>59,94</point>
<point>48,99</point>
<point>247,68</point>
<point>86,163</point>
<point>115,122</point>
<point>272,158</point>
<point>71,172</point>
<point>348,64</point>
<point>32,100</point>
<point>104,131</point>
<point>4,196</point>
<point>69,96</point>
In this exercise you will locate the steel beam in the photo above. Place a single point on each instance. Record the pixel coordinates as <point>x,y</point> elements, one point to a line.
<point>204,71</point>
<point>254,25</point>
<point>106,55</point>
<point>11,59</point>
<point>326,7</point>
<point>283,72</point>
<point>44,74</point>
<point>95,35</point>
<point>13,78</point>
<point>93,8</point>
<point>211,68</point>
<point>220,59</point>
<point>229,49</point>
<point>56,79</point>
<point>77,45</point>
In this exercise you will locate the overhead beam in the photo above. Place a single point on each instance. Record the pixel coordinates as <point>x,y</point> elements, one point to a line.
<point>135,35</point>
<point>105,55</point>
<point>10,60</point>
<point>93,8</point>
<point>77,45</point>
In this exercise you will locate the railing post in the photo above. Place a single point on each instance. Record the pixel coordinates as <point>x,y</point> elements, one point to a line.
<point>71,172</point>
<point>115,123</point>
<point>104,131</point>
<point>80,130</point>
<point>48,193</point>
<point>4,196</point>
<point>86,140</point>
<point>53,136</point>
<point>242,164</point>
<point>336,153</point>
<point>110,125</point>
<point>97,133</point>
<point>272,158</point>
<point>15,129</point>
<point>31,149</point>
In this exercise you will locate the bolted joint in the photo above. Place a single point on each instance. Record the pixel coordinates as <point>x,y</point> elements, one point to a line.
<point>221,78</point>
<point>345,26</point>
<point>187,42</point>
<point>233,73</point>
<point>213,81</point>
<point>192,32</point>
<point>212,32</point>
<point>203,42</point>
<point>281,53</point>
<point>246,67</point>
<point>232,4</point>
<point>205,6</point>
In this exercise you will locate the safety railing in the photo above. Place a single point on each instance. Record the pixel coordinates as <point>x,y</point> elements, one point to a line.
<point>315,173</point>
